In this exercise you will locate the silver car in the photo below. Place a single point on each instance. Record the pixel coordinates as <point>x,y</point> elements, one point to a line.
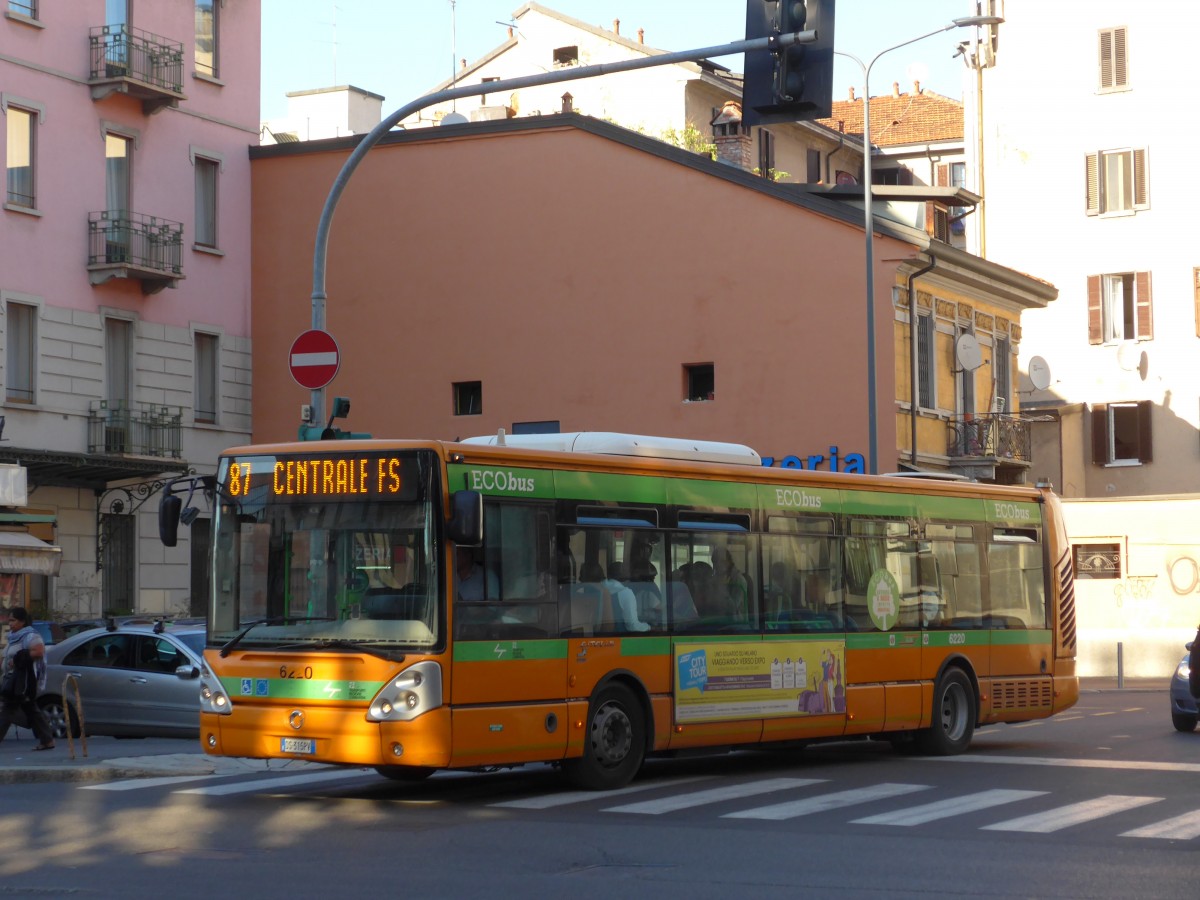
<point>133,681</point>
<point>1183,707</point>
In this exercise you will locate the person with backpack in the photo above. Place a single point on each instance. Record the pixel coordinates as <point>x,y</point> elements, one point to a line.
<point>22,675</point>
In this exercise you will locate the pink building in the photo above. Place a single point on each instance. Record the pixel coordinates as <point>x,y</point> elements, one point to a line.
<point>124,280</point>
<point>562,273</point>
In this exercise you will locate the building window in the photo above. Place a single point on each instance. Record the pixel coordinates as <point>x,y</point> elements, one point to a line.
<point>566,56</point>
<point>26,8</point>
<point>118,358</point>
<point>20,368</point>
<point>1114,64</point>
<point>549,426</point>
<point>206,37</point>
<point>1117,181</point>
<point>1002,371</point>
<point>699,382</point>
<point>813,175</point>
<point>766,154</point>
<point>206,201</point>
<point>207,355</point>
<point>1120,308</point>
<point>966,388</point>
<point>1097,560</point>
<point>926,367</point>
<point>117,155</point>
<point>22,154</point>
<point>468,398</point>
<point>1121,433</point>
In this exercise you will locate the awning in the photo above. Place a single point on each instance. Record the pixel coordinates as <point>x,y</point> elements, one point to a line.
<point>23,554</point>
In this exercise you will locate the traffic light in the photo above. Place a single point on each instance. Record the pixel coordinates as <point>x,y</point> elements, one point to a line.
<point>786,84</point>
<point>318,432</point>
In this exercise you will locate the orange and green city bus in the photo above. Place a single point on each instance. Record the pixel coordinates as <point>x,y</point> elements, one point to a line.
<point>424,605</point>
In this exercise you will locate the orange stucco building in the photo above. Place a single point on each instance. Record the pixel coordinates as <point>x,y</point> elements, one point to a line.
<point>564,273</point>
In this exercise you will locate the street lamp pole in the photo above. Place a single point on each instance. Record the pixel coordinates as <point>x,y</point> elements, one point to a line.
<point>868,225</point>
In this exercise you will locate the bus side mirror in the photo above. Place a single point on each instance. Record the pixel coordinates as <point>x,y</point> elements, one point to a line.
<point>168,519</point>
<point>465,527</point>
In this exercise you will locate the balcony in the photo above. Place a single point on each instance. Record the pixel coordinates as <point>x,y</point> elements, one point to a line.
<point>130,245</point>
<point>130,61</point>
<point>990,447</point>
<point>150,430</point>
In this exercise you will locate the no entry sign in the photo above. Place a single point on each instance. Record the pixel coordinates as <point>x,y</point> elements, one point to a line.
<point>314,359</point>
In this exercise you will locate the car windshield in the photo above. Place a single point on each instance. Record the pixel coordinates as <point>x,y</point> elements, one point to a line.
<point>332,550</point>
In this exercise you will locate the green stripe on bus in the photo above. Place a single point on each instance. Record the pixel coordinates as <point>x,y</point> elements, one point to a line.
<point>806,636</point>
<point>300,689</point>
<point>504,651</point>
<point>1018,637</point>
<point>899,640</point>
<point>647,646</point>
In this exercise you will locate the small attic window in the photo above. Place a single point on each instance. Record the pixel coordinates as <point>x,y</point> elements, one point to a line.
<point>566,56</point>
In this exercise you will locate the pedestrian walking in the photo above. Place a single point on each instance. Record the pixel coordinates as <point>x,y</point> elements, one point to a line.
<point>22,675</point>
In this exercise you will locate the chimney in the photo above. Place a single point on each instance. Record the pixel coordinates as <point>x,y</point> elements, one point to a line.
<point>568,102</point>
<point>641,35</point>
<point>733,145</point>
<point>916,87</point>
<point>462,63</point>
<point>895,89</point>
<point>852,92</point>
<point>510,32</point>
<point>616,26</point>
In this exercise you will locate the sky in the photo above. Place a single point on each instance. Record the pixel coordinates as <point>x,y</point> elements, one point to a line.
<point>403,48</point>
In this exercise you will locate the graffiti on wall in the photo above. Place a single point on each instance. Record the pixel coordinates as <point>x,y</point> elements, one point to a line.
<point>1184,573</point>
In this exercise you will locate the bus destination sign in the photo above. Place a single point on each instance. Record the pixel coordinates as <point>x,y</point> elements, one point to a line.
<point>366,476</point>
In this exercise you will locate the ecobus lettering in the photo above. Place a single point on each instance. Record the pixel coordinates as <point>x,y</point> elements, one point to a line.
<point>493,480</point>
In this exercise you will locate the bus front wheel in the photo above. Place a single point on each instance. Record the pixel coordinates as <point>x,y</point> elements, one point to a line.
<point>953,716</point>
<point>615,743</point>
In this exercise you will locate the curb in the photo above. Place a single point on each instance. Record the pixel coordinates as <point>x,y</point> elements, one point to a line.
<point>92,772</point>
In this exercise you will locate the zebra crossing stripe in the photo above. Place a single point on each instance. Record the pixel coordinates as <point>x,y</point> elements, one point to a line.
<point>712,795</point>
<point>566,798</point>
<point>944,809</point>
<point>825,802</point>
<point>246,787</point>
<point>1180,828</point>
<point>1072,814</point>
<point>137,783</point>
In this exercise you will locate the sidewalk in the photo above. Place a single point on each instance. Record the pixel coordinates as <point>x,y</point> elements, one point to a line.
<point>108,759</point>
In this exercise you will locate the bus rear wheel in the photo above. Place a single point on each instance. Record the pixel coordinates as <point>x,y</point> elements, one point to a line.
<point>615,743</point>
<point>953,716</point>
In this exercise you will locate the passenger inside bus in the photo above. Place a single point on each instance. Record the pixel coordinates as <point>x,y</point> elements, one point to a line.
<point>468,575</point>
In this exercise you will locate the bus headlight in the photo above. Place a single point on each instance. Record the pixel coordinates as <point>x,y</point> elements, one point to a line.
<point>213,698</point>
<point>413,692</point>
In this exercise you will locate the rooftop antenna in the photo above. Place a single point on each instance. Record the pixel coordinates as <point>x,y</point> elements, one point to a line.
<point>453,55</point>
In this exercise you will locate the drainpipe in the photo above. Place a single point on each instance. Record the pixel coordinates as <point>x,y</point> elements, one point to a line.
<point>912,354</point>
<point>829,156</point>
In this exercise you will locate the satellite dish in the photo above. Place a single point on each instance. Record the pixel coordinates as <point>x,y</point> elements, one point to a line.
<point>1129,355</point>
<point>1039,373</point>
<point>967,352</point>
<point>454,118</point>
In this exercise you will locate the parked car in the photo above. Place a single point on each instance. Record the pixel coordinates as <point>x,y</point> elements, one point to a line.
<point>1184,712</point>
<point>134,680</point>
<point>51,632</point>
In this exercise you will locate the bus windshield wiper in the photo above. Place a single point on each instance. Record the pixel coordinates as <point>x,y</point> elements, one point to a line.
<point>274,620</point>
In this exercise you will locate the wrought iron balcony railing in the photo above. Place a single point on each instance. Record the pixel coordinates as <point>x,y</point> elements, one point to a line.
<point>990,435</point>
<point>137,63</point>
<point>148,430</point>
<point>131,245</point>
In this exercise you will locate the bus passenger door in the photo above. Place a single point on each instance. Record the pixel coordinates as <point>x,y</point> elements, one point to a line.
<point>509,661</point>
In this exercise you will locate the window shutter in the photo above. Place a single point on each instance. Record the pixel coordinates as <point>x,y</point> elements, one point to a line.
<point>1093,184</point>
<point>1141,191</point>
<point>1095,317</point>
<point>1196,297</point>
<point>1145,450</point>
<point>1145,318</point>
<point>1100,434</point>
<point>1120,63</point>
<point>1106,60</point>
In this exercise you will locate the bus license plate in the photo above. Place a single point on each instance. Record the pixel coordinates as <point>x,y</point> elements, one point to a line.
<point>297,745</point>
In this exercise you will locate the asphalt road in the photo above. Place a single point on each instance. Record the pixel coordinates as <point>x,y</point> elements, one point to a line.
<point>1102,802</point>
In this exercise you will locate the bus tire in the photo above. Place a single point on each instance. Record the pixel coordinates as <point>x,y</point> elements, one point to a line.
<point>409,774</point>
<point>615,743</point>
<point>953,716</point>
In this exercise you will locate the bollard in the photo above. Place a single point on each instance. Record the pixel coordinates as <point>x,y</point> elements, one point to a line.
<point>1120,664</point>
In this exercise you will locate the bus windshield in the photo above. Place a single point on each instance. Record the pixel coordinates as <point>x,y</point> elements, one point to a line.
<point>329,550</point>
